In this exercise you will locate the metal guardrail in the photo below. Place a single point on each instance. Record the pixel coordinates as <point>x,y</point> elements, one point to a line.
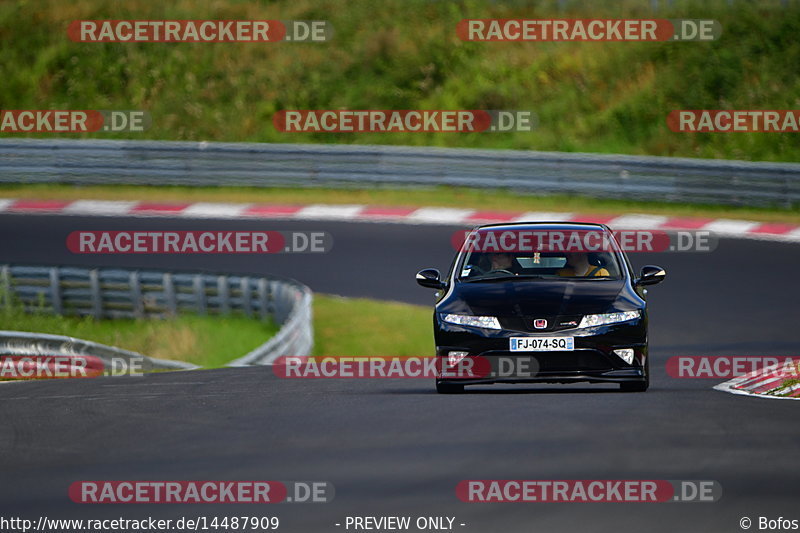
<point>23,343</point>
<point>283,165</point>
<point>294,338</point>
<point>125,293</point>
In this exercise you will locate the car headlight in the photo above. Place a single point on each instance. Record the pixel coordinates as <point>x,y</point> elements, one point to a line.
<point>487,322</point>
<point>590,321</point>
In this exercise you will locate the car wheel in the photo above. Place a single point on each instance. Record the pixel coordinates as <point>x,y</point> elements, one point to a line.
<point>449,388</point>
<point>638,386</point>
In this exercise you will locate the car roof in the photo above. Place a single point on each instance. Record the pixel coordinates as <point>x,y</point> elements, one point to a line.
<point>556,226</point>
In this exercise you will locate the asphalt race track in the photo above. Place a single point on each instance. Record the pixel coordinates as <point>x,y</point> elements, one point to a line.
<point>395,447</point>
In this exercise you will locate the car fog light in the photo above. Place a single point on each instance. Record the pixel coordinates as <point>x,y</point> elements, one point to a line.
<point>625,353</point>
<point>453,358</point>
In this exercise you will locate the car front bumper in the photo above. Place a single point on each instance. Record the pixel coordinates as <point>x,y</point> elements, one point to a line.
<point>592,360</point>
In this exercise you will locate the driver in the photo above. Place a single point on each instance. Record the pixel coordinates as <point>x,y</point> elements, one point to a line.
<point>502,261</point>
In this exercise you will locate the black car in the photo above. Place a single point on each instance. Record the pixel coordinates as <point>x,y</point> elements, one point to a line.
<point>561,308</point>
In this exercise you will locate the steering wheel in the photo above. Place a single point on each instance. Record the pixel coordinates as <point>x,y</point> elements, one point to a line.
<point>481,272</point>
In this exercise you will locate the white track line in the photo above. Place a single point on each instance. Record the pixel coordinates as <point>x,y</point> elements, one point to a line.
<point>214,210</point>
<point>325,212</point>
<point>439,215</point>
<point>99,207</point>
<point>725,226</point>
<point>638,222</point>
<point>541,216</point>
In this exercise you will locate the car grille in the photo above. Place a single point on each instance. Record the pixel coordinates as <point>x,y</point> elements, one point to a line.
<point>554,323</point>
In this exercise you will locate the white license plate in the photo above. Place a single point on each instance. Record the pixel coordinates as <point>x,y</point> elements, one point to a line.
<point>542,344</point>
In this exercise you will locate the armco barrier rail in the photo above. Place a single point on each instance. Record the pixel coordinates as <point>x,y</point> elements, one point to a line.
<point>23,343</point>
<point>125,293</point>
<point>281,165</point>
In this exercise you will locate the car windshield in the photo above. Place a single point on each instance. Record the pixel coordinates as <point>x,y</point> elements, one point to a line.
<point>539,265</point>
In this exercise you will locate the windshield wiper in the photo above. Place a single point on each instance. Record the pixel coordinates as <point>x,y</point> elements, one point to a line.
<point>502,278</point>
<point>597,278</point>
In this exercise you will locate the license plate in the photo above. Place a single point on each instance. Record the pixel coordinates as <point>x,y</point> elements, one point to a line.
<point>541,344</point>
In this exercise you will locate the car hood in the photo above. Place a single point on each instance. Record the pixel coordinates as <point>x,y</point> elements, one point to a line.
<point>539,298</point>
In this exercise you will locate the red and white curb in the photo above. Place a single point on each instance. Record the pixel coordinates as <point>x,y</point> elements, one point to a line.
<point>762,383</point>
<point>404,215</point>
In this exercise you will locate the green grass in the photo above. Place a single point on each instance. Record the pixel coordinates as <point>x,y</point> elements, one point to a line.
<point>592,97</point>
<point>362,327</point>
<point>487,199</point>
<point>206,341</point>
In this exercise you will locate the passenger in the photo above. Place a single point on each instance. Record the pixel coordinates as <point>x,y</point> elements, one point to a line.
<point>578,266</point>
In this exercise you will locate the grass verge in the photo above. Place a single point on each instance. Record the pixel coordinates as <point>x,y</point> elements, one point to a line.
<point>207,341</point>
<point>362,327</point>
<point>485,199</point>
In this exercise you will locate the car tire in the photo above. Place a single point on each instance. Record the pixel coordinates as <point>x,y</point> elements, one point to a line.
<point>638,386</point>
<point>443,387</point>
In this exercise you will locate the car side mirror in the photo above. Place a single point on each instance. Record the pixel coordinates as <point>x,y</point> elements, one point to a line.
<point>430,278</point>
<point>650,275</point>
